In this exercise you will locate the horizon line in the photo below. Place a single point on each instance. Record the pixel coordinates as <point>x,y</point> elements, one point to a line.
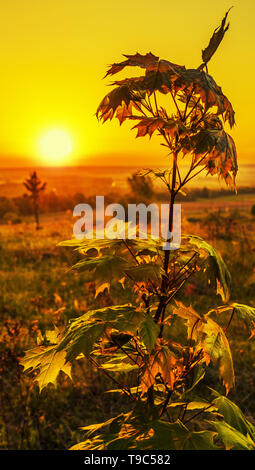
<point>94,166</point>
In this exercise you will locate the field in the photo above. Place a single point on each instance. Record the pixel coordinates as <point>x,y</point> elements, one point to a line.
<point>38,291</point>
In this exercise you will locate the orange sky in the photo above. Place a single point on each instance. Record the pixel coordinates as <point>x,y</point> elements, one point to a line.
<point>54,53</point>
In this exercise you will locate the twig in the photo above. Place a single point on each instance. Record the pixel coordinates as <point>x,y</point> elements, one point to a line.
<point>124,390</point>
<point>196,414</point>
<point>230,320</point>
<point>130,251</point>
<point>166,402</point>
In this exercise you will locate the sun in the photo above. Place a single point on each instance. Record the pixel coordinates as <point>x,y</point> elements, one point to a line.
<point>55,146</point>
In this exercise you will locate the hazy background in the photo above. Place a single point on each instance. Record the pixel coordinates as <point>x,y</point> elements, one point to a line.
<point>53,56</point>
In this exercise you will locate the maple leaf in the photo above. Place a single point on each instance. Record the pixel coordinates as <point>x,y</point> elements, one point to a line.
<point>189,314</point>
<point>149,331</point>
<point>209,337</point>
<point>247,314</point>
<point>161,361</point>
<point>86,330</point>
<point>232,414</point>
<point>216,269</point>
<point>216,149</point>
<point>102,268</point>
<point>215,40</point>
<point>149,61</point>
<point>165,77</point>
<point>202,84</point>
<point>136,60</point>
<point>144,271</point>
<point>216,349</point>
<point>159,73</point>
<point>119,97</point>
<point>48,361</point>
<point>148,126</point>
<point>243,312</point>
<point>223,158</point>
<point>232,438</point>
<point>123,112</point>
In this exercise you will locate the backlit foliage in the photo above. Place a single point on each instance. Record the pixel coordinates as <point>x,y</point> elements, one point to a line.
<point>155,349</point>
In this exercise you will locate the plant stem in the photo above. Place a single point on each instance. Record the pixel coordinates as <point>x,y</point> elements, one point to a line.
<point>166,402</point>
<point>197,414</point>
<point>156,104</point>
<point>176,105</point>
<point>150,396</point>
<point>130,251</point>
<point>124,390</point>
<point>230,320</point>
<point>171,214</point>
<point>194,107</point>
<point>167,252</point>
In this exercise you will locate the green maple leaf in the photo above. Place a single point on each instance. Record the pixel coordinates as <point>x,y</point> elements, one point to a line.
<point>48,362</point>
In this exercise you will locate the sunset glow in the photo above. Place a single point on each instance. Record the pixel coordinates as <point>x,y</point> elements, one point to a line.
<point>53,66</point>
<point>55,147</point>
<point>127,230</point>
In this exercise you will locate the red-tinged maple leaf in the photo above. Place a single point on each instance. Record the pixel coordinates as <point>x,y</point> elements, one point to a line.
<point>123,112</point>
<point>159,73</point>
<point>164,362</point>
<point>202,84</point>
<point>172,127</point>
<point>112,101</point>
<point>223,158</point>
<point>148,126</point>
<point>215,149</point>
<point>136,60</point>
<point>149,61</point>
<point>134,83</point>
<point>215,40</point>
<point>166,77</point>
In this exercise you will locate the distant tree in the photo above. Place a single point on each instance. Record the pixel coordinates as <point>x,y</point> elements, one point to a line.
<point>35,187</point>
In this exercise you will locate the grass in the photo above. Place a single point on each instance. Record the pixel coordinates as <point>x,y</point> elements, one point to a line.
<point>38,291</point>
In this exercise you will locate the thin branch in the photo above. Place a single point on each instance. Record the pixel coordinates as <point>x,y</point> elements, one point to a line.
<point>179,288</point>
<point>192,109</point>
<point>141,110</point>
<point>190,339</point>
<point>184,411</point>
<point>197,173</point>
<point>170,227</point>
<point>176,105</point>
<point>124,390</point>
<point>184,266</point>
<point>166,403</point>
<point>187,103</point>
<point>130,251</point>
<point>230,320</point>
<point>179,175</point>
<point>196,414</point>
<point>162,322</point>
<point>149,106</point>
<point>192,168</point>
<point>124,351</point>
<point>155,101</point>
